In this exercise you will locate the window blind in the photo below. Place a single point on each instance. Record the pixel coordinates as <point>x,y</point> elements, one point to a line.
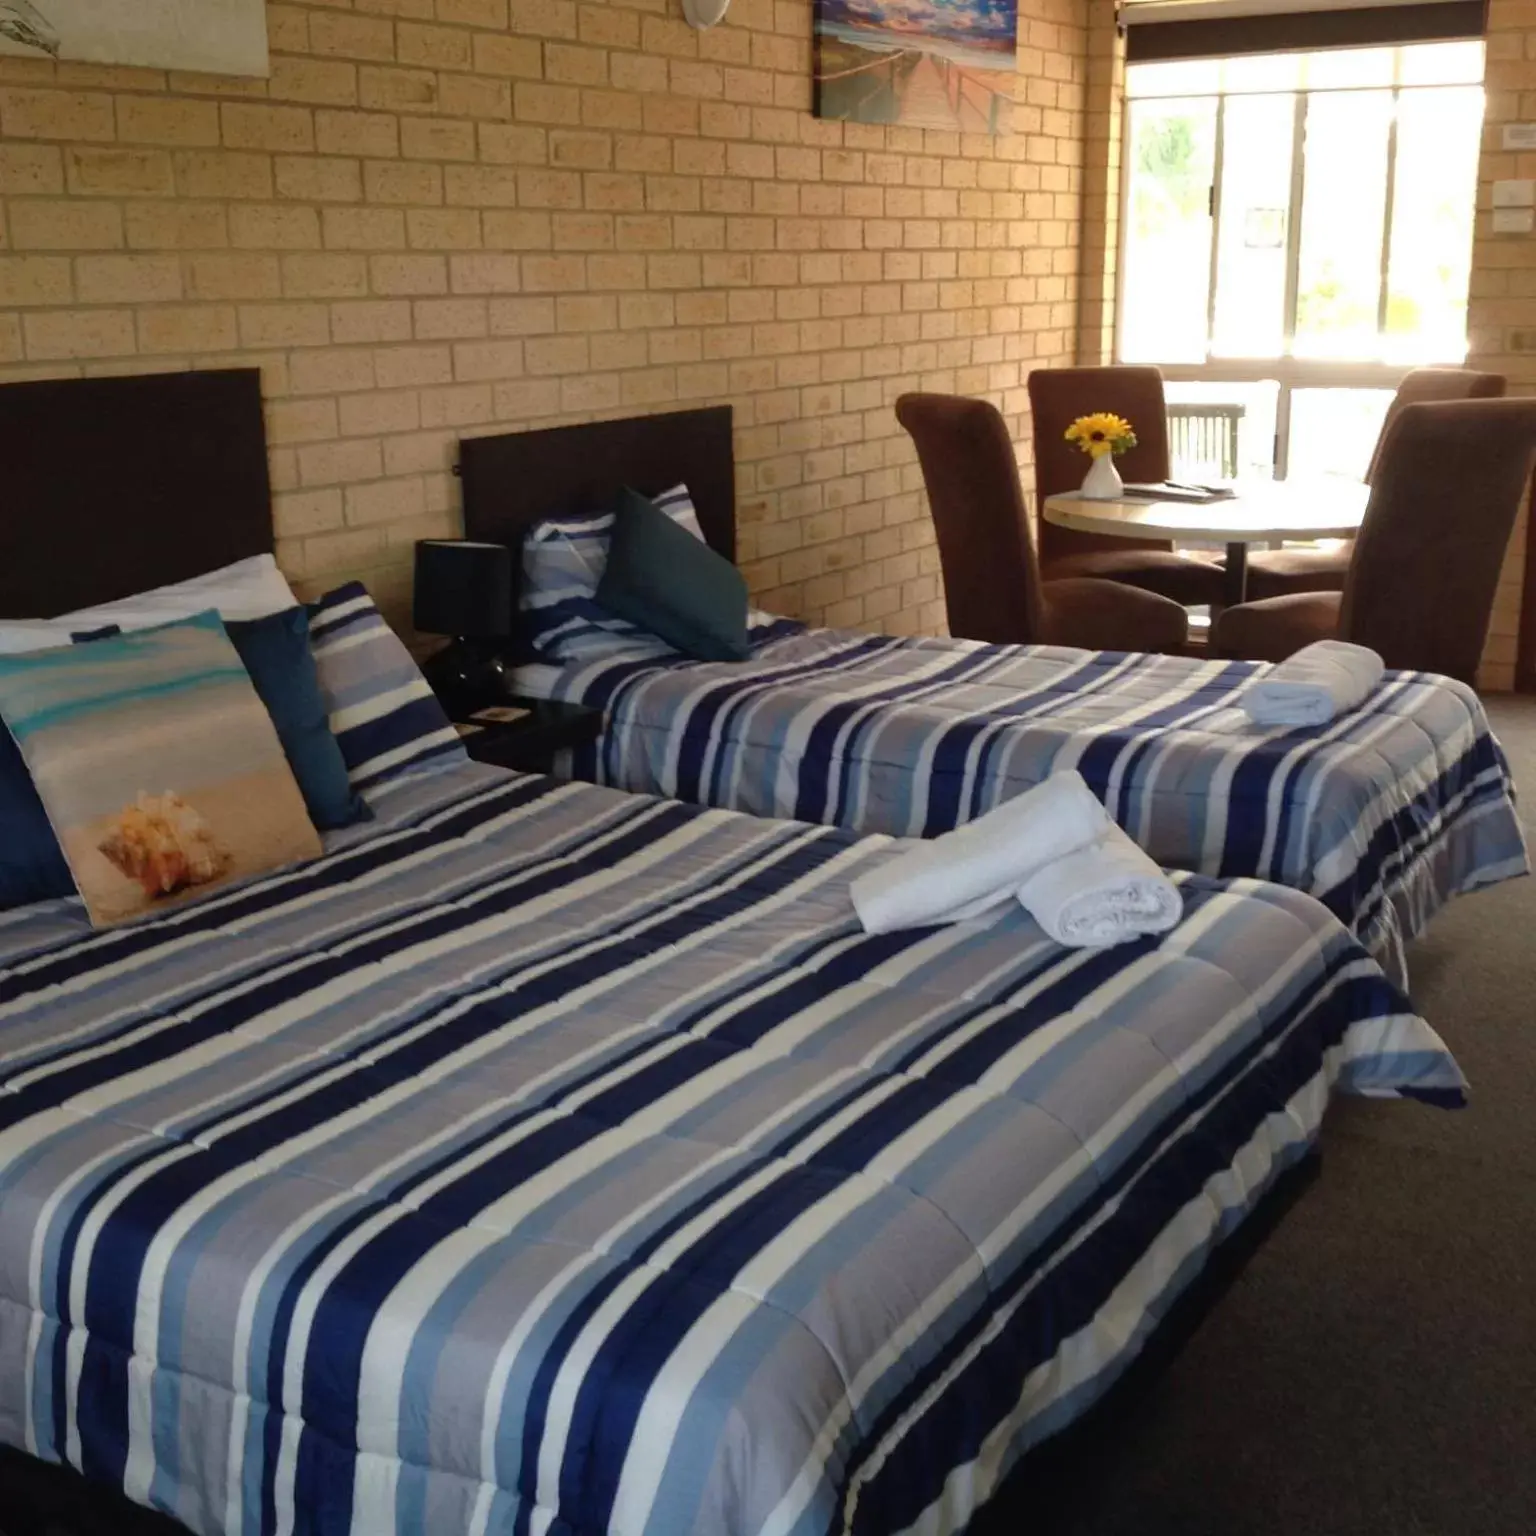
<point>1159,30</point>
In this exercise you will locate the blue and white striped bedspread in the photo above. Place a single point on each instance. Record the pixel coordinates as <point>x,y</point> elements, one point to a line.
<point>545,1159</point>
<point>1383,815</point>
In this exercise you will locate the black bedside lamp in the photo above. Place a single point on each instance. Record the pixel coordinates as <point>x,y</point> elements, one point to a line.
<point>464,589</point>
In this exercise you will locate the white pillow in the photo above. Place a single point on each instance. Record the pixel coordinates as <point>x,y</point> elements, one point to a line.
<point>248,589</point>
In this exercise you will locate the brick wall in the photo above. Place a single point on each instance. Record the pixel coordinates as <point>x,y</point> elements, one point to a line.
<point>1502,306</point>
<point>443,217</point>
<point>1103,135</point>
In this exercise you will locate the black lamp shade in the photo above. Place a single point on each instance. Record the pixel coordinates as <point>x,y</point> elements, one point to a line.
<point>463,588</point>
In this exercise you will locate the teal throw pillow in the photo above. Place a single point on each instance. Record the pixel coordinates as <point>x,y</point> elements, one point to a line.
<point>662,578</point>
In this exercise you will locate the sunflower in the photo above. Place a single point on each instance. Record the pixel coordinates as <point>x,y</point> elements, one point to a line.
<point>1101,433</point>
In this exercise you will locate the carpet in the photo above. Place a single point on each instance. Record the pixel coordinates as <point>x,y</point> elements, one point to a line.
<point>1372,1369</point>
<point>1369,1371</point>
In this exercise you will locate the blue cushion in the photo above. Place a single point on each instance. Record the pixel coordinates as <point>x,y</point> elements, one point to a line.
<point>276,653</point>
<point>673,585</point>
<point>31,866</point>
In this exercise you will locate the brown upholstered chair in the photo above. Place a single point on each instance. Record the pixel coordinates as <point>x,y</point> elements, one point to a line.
<point>1057,397</point>
<point>1420,587</point>
<point>992,584</point>
<point>1274,572</point>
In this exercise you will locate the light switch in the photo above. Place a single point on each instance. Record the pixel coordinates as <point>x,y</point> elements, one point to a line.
<point>1514,221</point>
<point>1514,194</point>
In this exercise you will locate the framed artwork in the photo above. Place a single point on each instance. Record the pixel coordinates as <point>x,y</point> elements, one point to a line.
<point>224,37</point>
<point>946,64</point>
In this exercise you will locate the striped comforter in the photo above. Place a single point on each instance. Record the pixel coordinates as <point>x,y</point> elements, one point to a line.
<point>1384,815</point>
<point>545,1159</point>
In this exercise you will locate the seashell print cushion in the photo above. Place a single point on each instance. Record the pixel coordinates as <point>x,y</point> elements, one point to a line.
<point>158,766</point>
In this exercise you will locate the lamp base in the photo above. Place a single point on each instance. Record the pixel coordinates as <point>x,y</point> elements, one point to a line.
<point>467,673</point>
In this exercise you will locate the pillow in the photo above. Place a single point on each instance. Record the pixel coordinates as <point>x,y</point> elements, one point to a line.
<point>32,868</point>
<point>674,585</point>
<point>678,505</point>
<point>276,653</point>
<point>563,562</point>
<point>160,770</point>
<point>386,719</point>
<point>248,589</point>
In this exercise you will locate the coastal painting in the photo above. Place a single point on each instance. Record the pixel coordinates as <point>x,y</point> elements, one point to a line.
<point>945,64</point>
<point>222,37</point>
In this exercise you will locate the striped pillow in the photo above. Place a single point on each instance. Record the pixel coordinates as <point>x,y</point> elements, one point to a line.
<point>383,713</point>
<point>563,562</point>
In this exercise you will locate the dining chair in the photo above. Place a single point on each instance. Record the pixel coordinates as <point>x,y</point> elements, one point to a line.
<point>1274,572</point>
<point>1420,585</point>
<point>1057,397</point>
<point>993,588</point>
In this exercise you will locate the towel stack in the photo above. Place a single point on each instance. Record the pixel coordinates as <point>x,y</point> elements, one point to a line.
<point>1054,849</point>
<point>1324,679</point>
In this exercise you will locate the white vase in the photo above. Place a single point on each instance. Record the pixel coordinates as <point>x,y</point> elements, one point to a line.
<point>1102,482</point>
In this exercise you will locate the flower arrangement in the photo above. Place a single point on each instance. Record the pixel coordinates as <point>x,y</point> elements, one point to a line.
<point>1102,433</point>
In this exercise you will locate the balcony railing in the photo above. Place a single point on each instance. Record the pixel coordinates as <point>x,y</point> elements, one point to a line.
<point>1202,439</point>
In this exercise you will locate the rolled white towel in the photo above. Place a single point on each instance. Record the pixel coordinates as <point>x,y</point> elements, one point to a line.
<point>1320,681</point>
<point>1107,893</point>
<point>964,872</point>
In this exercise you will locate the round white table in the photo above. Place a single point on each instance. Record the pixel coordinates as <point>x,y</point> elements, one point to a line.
<point>1262,512</point>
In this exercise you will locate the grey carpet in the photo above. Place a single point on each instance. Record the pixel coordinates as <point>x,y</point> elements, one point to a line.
<point>1371,1371</point>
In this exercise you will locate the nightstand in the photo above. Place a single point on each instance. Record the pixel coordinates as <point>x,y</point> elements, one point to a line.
<point>525,734</point>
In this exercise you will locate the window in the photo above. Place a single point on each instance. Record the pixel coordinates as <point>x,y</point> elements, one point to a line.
<point>1298,229</point>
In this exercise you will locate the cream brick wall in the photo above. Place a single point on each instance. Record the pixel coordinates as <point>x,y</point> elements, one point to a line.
<point>443,217</point>
<point>1502,308</point>
<point>1103,135</point>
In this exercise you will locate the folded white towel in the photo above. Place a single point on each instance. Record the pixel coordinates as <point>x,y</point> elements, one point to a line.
<point>966,871</point>
<point>1320,681</point>
<point>1106,893</point>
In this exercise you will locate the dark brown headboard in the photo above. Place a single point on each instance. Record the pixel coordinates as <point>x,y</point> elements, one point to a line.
<point>513,480</point>
<point>112,486</point>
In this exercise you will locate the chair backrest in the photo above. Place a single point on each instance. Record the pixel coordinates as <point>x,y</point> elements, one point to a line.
<point>1424,386</point>
<point>991,575</point>
<point>1057,397</point>
<point>1426,563</point>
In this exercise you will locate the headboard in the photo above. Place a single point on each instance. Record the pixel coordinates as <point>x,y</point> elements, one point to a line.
<point>513,480</point>
<point>112,486</point>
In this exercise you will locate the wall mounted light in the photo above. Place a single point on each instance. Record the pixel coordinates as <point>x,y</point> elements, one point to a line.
<point>704,13</point>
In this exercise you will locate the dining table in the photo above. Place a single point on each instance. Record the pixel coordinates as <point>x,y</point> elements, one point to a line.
<point>1262,512</point>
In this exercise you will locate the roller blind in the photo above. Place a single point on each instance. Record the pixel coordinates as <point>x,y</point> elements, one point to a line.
<point>1202,29</point>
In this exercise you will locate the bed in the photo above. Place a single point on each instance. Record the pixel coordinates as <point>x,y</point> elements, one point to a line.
<point>545,1157</point>
<point>1384,815</point>
<point>548,1158</point>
